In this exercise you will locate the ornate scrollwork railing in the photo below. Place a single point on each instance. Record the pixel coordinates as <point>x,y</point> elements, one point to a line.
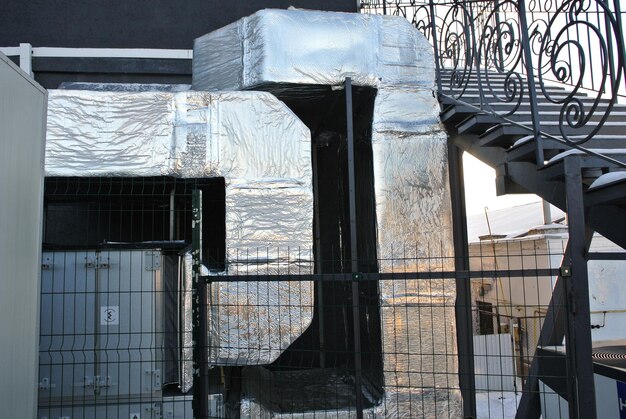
<point>501,54</point>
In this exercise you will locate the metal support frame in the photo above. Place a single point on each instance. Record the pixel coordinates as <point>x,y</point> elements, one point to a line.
<point>199,330</point>
<point>463,304</point>
<point>568,315</point>
<point>356,314</point>
<point>578,337</point>
<point>388,276</point>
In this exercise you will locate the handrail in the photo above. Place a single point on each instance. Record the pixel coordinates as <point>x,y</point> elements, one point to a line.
<point>514,51</point>
<point>587,151</point>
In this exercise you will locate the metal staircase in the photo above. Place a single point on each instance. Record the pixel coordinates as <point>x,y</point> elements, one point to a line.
<point>507,144</point>
<point>588,183</point>
<point>536,89</point>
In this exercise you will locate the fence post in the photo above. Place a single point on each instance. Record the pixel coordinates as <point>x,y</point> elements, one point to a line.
<point>199,330</point>
<point>356,315</point>
<point>463,304</point>
<point>578,337</point>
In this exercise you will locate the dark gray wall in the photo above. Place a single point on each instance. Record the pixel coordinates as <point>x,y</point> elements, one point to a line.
<point>131,24</point>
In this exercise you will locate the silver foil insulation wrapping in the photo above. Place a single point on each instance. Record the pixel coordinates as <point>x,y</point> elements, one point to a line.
<point>310,47</point>
<point>258,146</point>
<point>296,48</point>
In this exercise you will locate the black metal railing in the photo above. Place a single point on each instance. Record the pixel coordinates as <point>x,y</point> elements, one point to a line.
<point>501,55</point>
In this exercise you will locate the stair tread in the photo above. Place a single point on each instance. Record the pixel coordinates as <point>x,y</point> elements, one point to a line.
<point>552,149</point>
<point>610,193</point>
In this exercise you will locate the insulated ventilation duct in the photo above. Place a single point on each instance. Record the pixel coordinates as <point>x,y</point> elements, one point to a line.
<point>289,51</point>
<point>258,146</point>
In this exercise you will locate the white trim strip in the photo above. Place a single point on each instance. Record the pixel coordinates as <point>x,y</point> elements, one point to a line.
<point>10,51</point>
<point>59,52</point>
<point>175,54</point>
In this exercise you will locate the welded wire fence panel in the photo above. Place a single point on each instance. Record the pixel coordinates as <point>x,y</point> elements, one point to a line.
<point>110,334</point>
<point>407,340</point>
<point>511,306</point>
<point>113,337</point>
<point>407,328</point>
<point>117,327</point>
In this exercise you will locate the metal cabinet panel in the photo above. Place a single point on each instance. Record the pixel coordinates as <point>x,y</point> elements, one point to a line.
<point>122,411</point>
<point>101,326</point>
<point>180,407</point>
<point>22,136</point>
<point>67,325</point>
<point>130,327</point>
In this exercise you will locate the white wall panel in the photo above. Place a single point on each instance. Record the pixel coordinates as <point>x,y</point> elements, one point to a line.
<point>22,133</point>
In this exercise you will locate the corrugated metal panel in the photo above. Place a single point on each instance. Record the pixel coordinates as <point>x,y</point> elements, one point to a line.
<point>493,363</point>
<point>22,133</point>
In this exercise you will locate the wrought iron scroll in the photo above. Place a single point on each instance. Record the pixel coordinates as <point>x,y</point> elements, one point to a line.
<point>574,45</point>
<point>576,51</point>
<point>500,58</point>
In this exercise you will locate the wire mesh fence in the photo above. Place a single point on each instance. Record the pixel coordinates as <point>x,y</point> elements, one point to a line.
<point>112,335</point>
<point>117,326</point>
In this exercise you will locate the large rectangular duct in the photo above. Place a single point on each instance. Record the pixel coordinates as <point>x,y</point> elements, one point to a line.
<point>306,47</point>
<point>290,50</point>
<point>257,145</point>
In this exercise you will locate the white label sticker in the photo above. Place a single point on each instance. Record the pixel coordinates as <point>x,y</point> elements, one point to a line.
<point>109,315</point>
<point>135,416</point>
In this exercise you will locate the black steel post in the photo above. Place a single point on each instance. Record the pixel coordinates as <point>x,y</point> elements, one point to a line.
<point>318,258</point>
<point>463,304</point>
<point>433,28</point>
<point>199,329</point>
<point>530,76</point>
<point>582,403</point>
<point>356,315</point>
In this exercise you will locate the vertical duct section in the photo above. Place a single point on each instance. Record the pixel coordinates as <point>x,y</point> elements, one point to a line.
<point>415,235</point>
<point>292,51</point>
